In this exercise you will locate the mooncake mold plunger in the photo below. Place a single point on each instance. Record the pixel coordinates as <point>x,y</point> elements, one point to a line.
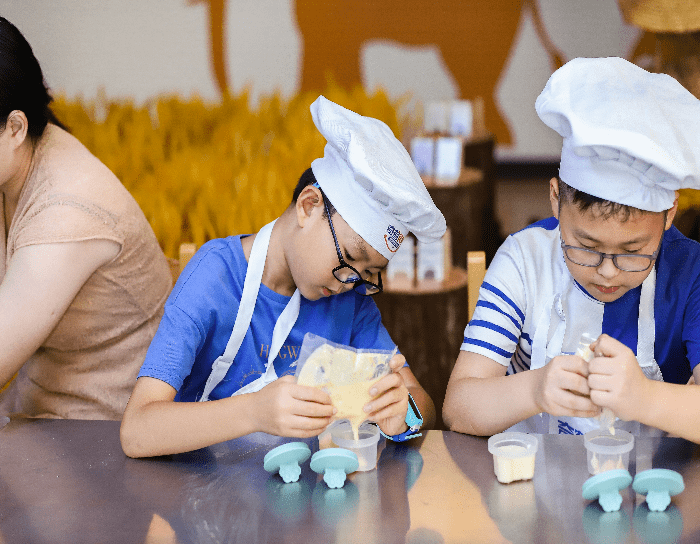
<point>659,485</point>
<point>286,459</point>
<point>335,463</point>
<point>606,488</point>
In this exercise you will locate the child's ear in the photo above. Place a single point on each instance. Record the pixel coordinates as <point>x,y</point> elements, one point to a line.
<point>671,213</point>
<point>309,199</point>
<point>554,196</point>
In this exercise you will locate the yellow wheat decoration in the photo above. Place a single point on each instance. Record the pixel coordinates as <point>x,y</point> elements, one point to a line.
<point>203,170</point>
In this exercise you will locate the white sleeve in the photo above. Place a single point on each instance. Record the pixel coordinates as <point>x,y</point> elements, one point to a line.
<point>496,325</point>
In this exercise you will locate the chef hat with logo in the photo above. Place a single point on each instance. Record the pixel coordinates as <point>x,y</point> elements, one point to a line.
<point>630,136</point>
<point>371,181</point>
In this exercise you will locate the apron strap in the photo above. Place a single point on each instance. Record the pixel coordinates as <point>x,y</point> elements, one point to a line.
<point>246,306</point>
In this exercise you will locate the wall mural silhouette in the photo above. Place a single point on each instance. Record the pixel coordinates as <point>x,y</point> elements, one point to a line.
<point>473,36</point>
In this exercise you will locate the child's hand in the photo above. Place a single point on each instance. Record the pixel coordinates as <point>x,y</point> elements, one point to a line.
<point>563,390</point>
<point>284,408</point>
<point>615,378</point>
<point>390,403</point>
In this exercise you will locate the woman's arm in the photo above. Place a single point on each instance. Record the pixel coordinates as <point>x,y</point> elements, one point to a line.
<point>40,283</point>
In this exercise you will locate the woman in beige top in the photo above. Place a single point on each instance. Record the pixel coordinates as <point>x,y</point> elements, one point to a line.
<point>83,280</point>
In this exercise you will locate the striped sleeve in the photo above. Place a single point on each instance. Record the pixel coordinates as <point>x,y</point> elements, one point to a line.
<point>498,319</point>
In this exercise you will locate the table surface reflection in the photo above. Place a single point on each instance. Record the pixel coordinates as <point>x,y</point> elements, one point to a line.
<point>68,481</point>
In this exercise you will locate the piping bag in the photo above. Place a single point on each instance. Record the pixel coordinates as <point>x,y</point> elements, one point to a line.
<point>607,416</point>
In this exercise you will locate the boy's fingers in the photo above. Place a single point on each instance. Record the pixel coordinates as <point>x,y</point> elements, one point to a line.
<point>387,399</point>
<point>575,383</point>
<point>394,409</point>
<point>388,382</point>
<point>599,382</point>
<point>575,364</point>
<point>311,394</point>
<point>314,410</point>
<point>397,362</point>
<point>583,405</point>
<point>606,346</point>
<point>313,424</point>
<point>577,406</point>
<point>602,366</point>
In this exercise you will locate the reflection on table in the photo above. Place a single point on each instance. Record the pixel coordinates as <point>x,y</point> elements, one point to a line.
<point>68,481</point>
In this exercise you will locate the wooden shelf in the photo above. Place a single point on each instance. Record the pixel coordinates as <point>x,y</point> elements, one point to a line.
<point>456,279</point>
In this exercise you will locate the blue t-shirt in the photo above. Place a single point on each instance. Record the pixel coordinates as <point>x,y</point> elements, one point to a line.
<point>201,311</point>
<point>527,267</point>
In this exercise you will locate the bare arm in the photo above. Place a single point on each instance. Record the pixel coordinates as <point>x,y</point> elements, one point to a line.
<point>474,401</point>
<point>618,383</point>
<point>674,408</point>
<point>40,283</point>
<point>482,400</point>
<point>153,424</point>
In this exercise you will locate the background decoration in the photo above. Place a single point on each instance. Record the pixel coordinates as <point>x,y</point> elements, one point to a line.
<point>204,170</point>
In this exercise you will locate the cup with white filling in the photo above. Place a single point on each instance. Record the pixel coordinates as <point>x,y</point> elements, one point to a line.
<point>513,456</point>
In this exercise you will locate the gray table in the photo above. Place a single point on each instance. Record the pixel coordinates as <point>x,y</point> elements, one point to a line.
<point>68,481</point>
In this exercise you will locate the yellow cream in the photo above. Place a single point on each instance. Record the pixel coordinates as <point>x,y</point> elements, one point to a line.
<point>510,464</point>
<point>346,376</point>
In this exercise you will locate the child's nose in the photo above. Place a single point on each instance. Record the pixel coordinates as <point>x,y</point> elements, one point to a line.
<point>607,268</point>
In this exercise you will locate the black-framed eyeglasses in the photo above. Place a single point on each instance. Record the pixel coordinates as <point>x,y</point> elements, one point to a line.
<point>623,261</point>
<point>347,274</point>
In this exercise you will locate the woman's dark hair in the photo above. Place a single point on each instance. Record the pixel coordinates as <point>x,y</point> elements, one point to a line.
<point>22,84</point>
<point>306,179</point>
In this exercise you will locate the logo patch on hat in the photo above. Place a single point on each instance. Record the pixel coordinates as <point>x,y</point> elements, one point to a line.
<point>393,238</point>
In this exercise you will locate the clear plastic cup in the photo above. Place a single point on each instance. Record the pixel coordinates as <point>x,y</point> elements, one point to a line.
<point>365,447</point>
<point>606,451</point>
<point>513,456</point>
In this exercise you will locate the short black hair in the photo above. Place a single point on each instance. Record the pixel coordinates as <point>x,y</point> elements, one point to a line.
<point>584,202</point>
<point>306,179</point>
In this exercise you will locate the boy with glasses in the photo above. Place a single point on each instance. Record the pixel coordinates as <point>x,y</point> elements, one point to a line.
<point>609,264</point>
<point>237,316</point>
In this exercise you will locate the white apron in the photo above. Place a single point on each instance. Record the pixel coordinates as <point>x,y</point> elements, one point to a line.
<point>555,334</point>
<point>285,322</point>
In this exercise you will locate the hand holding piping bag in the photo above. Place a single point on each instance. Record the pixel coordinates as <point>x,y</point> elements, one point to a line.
<point>606,417</point>
<point>616,380</point>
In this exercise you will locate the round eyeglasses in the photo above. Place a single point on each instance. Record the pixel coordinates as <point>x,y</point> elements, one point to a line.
<point>347,274</point>
<point>623,261</point>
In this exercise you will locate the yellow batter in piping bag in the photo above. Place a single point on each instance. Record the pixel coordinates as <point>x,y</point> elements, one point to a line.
<point>345,374</point>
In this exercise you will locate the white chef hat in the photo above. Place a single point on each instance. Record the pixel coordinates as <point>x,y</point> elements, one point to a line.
<point>630,136</point>
<point>371,181</point>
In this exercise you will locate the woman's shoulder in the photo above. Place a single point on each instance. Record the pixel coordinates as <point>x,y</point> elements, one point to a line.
<point>60,153</point>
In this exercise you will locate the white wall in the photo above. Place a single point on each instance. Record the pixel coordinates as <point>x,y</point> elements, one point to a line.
<point>141,48</point>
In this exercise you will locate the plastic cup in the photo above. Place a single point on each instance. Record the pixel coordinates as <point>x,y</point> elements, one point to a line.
<point>365,447</point>
<point>513,456</point>
<point>606,451</point>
